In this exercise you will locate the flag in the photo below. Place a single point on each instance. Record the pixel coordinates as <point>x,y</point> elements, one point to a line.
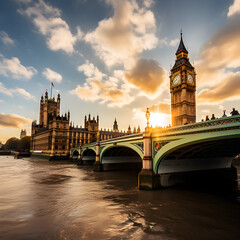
<point>52,84</point>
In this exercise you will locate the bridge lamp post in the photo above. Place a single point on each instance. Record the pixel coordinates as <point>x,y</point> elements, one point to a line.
<point>98,166</point>
<point>147,115</point>
<point>147,179</point>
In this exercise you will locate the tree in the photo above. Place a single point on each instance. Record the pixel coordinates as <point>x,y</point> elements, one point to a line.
<point>25,143</point>
<point>12,143</point>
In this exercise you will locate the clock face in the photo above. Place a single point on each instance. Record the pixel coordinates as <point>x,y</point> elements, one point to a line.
<point>176,80</point>
<point>190,79</point>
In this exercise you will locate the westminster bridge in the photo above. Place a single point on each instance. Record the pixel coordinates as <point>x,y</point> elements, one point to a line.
<point>208,145</point>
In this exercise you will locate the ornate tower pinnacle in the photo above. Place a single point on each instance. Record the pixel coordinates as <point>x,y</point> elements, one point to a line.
<point>46,94</point>
<point>115,126</point>
<point>181,47</point>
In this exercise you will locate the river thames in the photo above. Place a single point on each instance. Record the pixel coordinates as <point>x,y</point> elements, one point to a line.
<point>59,200</point>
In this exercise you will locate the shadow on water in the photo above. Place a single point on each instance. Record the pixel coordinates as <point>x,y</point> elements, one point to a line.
<point>193,210</point>
<point>54,179</point>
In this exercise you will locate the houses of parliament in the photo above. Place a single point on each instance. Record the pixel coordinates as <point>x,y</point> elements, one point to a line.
<point>55,134</point>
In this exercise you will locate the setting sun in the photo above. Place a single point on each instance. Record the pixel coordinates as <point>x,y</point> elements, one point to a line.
<point>159,119</point>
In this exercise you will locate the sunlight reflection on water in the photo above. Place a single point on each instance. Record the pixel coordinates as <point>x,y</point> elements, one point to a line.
<point>58,200</point>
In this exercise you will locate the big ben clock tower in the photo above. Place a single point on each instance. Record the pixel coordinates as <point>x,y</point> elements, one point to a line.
<point>183,88</point>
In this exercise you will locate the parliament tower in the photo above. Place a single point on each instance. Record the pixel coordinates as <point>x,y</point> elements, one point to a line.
<point>183,88</point>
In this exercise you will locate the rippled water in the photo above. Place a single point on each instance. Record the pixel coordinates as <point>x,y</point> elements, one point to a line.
<point>56,200</point>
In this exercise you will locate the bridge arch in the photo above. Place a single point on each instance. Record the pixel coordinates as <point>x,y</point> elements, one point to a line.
<point>189,147</point>
<point>121,153</point>
<point>88,148</point>
<point>88,155</point>
<point>75,154</point>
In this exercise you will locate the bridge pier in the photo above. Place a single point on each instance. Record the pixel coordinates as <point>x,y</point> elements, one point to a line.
<point>147,179</point>
<point>70,156</point>
<point>97,166</point>
<point>79,160</point>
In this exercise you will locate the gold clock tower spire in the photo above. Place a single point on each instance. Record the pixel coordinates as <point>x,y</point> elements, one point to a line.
<point>183,88</point>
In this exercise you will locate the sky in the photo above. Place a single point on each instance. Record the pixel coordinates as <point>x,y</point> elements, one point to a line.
<point>112,58</point>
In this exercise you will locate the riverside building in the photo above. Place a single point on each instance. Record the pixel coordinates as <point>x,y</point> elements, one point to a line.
<point>55,134</point>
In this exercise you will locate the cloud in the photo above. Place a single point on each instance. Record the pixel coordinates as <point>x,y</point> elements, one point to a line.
<point>161,107</point>
<point>51,75</point>
<point>6,40</point>
<point>25,1</point>
<point>147,75</point>
<point>227,89</point>
<point>105,92</point>
<point>219,63</point>
<point>14,69</point>
<point>5,90</point>
<point>121,88</point>
<point>121,38</point>
<point>234,8</point>
<point>166,42</point>
<point>48,21</point>
<point>13,120</point>
<point>90,70</point>
<point>148,3</point>
<point>219,55</point>
<point>111,90</point>
<point>24,93</point>
<point>19,91</point>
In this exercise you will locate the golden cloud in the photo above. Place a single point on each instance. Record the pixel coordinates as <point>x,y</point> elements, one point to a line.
<point>112,93</point>
<point>234,8</point>
<point>228,88</point>
<point>13,120</point>
<point>119,39</point>
<point>147,75</point>
<point>219,54</point>
<point>107,91</point>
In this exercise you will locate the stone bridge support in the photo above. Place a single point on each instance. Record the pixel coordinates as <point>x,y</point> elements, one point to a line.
<point>147,179</point>
<point>98,166</point>
<point>70,155</point>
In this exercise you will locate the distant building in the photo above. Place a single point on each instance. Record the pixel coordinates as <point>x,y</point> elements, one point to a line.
<point>129,131</point>
<point>115,126</point>
<point>55,134</point>
<point>1,145</point>
<point>23,133</point>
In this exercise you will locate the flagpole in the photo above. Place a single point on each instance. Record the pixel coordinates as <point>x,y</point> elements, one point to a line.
<point>51,90</point>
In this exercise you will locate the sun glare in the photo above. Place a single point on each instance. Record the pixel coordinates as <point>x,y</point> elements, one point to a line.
<point>159,119</point>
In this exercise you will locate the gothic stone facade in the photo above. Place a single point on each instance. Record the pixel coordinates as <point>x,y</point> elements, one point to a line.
<point>183,88</point>
<point>55,134</point>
